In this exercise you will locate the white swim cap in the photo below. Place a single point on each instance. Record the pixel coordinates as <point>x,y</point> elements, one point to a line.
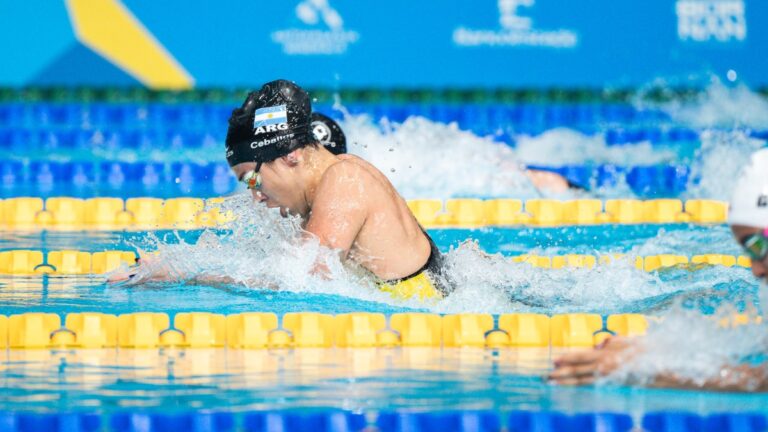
<point>749,202</point>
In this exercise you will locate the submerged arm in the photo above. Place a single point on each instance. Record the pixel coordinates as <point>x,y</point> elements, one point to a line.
<point>585,367</point>
<point>150,270</point>
<point>215,280</point>
<point>740,378</point>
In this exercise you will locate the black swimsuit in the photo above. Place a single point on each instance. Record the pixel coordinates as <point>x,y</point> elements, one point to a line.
<point>433,266</point>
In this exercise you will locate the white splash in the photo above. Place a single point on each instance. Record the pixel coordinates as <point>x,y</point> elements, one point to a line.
<point>265,251</point>
<point>762,297</point>
<point>495,284</point>
<point>688,242</point>
<point>693,347</point>
<point>425,159</point>
<point>718,162</point>
<point>262,251</point>
<point>721,106</point>
<point>563,146</point>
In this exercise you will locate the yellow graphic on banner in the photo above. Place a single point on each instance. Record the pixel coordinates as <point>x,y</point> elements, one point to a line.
<point>110,29</point>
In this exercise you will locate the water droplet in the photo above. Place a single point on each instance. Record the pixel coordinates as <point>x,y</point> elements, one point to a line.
<point>391,149</point>
<point>392,170</point>
<point>732,75</point>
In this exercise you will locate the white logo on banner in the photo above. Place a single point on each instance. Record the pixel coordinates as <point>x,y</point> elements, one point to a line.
<point>516,30</point>
<point>708,20</point>
<point>333,39</point>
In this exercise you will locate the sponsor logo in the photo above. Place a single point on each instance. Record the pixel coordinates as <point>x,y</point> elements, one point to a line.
<point>711,20</point>
<point>321,132</point>
<point>230,152</point>
<point>516,30</point>
<point>324,34</point>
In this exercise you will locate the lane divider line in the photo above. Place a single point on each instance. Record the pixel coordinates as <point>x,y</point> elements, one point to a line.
<point>22,262</point>
<point>265,330</point>
<point>66,213</point>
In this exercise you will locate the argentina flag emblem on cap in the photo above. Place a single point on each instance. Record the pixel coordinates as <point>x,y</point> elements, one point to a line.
<point>269,116</point>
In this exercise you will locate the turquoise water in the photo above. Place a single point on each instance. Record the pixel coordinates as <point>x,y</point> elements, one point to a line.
<point>417,379</point>
<point>423,159</point>
<point>523,283</point>
<point>682,238</point>
<point>414,379</point>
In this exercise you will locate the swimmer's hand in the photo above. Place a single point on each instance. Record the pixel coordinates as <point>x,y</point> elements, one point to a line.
<point>122,275</point>
<point>150,269</point>
<point>585,367</point>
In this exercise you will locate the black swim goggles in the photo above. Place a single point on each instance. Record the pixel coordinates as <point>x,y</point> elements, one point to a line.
<point>252,179</point>
<point>756,245</point>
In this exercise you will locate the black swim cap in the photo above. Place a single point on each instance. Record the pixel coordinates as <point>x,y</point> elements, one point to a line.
<point>271,123</point>
<point>329,133</point>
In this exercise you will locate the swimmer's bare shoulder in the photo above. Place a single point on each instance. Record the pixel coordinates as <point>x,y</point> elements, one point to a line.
<point>342,202</point>
<point>369,168</point>
<point>354,176</point>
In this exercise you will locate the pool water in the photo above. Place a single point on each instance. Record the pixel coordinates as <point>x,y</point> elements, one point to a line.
<point>361,379</point>
<point>367,379</point>
<point>605,289</point>
<point>691,149</point>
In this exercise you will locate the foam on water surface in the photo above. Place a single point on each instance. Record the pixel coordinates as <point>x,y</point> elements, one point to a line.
<point>264,250</point>
<point>564,146</point>
<point>719,161</point>
<point>423,158</point>
<point>720,106</point>
<point>427,159</point>
<point>697,348</point>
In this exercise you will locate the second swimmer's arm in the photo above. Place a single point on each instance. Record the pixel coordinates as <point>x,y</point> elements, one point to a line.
<point>584,367</point>
<point>740,378</point>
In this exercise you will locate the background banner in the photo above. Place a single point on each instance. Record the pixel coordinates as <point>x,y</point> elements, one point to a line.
<point>392,43</point>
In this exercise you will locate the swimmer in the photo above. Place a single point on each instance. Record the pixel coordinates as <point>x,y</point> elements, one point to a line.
<point>343,201</point>
<point>550,181</point>
<point>748,218</point>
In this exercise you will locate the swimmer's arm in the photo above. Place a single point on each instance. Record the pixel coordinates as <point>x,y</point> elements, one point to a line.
<point>149,270</point>
<point>340,207</point>
<point>129,278</point>
<point>740,378</point>
<point>585,367</point>
<point>211,280</point>
<point>145,270</point>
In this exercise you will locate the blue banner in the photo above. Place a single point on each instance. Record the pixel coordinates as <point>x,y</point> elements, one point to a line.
<point>394,43</point>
